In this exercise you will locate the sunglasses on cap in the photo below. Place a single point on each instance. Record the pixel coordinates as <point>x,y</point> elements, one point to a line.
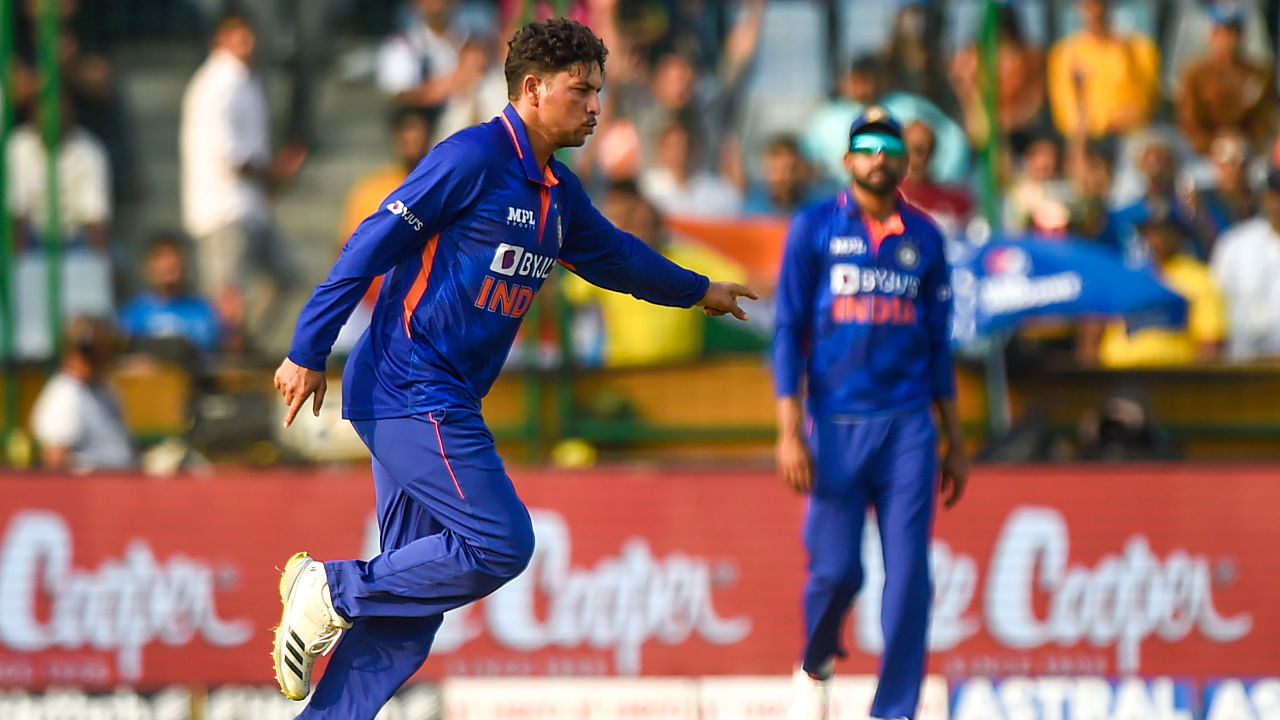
<point>876,143</point>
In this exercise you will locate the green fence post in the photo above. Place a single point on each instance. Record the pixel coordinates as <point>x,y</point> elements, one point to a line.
<point>7,349</point>
<point>995,372</point>
<point>50,113</point>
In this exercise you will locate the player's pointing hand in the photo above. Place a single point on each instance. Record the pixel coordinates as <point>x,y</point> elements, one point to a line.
<point>722,297</point>
<point>296,384</point>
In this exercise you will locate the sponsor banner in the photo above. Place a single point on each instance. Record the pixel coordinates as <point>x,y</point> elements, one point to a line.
<point>65,704</point>
<point>415,702</point>
<point>1007,281</point>
<point>1056,698</point>
<point>1237,699</point>
<point>1106,571</point>
<point>570,699</point>
<point>767,698</point>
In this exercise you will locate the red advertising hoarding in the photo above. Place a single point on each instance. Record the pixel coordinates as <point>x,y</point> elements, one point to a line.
<point>1151,570</point>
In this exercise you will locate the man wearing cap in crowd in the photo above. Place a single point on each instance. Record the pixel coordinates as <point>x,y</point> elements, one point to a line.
<point>1246,264</point>
<point>1223,91</point>
<point>1131,343</point>
<point>863,317</point>
<point>1231,198</point>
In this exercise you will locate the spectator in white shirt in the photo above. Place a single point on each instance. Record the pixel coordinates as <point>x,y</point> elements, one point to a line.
<point>1246,264</point>
<point>227,174</point>
<point>84,183</point>
<point>419,65</point>
<point>678,189</point>
<point>77,418</point>
<point>480,90</point>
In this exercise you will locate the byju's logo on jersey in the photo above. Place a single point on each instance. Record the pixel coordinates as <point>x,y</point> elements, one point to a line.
<point>521,217</point>
<point>399,209</point>
<point>845,245</point>
<point>507,259</point>
<point>849,279</point>
<point>511,260</point>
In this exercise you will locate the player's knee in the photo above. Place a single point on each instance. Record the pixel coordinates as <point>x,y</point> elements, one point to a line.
<point>516,551</point>
<point>845,579</point>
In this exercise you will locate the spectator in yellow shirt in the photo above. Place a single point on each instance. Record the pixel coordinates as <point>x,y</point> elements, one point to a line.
<point>637,333</point>
<point>1102,79</point>
<point>1200,338</point>
<point>411,139</point>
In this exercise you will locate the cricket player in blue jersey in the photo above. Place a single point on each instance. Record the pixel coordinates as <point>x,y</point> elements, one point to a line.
<point>863,312</point>
<point>464,242</point>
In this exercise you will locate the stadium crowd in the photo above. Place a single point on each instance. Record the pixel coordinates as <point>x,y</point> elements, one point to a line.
<point>1147,128</point>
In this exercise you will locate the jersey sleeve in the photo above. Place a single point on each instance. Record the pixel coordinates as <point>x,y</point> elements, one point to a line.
<point>603,255</point>
<point>797,283</point>
<point>441,189</point>
<point>936,287</point>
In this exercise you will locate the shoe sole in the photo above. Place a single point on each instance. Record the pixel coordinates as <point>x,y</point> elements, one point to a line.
<point>288,580</point>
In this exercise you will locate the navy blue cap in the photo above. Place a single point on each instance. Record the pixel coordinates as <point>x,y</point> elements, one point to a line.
<point>875,119</point>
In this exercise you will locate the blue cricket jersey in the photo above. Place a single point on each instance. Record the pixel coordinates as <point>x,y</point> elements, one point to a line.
<point>465,242</point>
<point>863,311</point>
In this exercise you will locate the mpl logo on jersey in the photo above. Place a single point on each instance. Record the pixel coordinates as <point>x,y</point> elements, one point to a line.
<point>847,245</point>
<point>520,217</point>
<point>399,209</point>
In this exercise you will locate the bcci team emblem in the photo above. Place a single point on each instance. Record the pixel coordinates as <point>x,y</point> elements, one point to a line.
<point>908,255</point>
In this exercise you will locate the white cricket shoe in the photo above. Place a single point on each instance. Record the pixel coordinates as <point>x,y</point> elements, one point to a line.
<point>810,696</point>
<point>309,626</point>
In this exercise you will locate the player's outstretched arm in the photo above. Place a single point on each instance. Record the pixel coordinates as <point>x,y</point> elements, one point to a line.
<point>721,298</point>
<point>296,384</point>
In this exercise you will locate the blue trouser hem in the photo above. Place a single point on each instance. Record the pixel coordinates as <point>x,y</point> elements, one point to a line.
<point>889,464</point>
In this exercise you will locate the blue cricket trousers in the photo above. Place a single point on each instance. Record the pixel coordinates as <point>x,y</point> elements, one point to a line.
<point>888,463</point>
<point>452,531</point>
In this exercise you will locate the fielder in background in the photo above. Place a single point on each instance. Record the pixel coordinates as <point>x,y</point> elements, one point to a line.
<point>465,242</point>
<point>863,310</point>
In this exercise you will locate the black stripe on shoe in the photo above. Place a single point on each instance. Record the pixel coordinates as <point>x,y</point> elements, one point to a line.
<point>294,668</point>
<point>297,655</point>
<point>298,640</point>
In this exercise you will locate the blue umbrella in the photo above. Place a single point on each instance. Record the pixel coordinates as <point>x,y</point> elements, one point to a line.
<point>999,285</point>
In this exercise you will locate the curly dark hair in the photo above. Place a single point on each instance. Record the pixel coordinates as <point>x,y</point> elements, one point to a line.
<point>547,47</point>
